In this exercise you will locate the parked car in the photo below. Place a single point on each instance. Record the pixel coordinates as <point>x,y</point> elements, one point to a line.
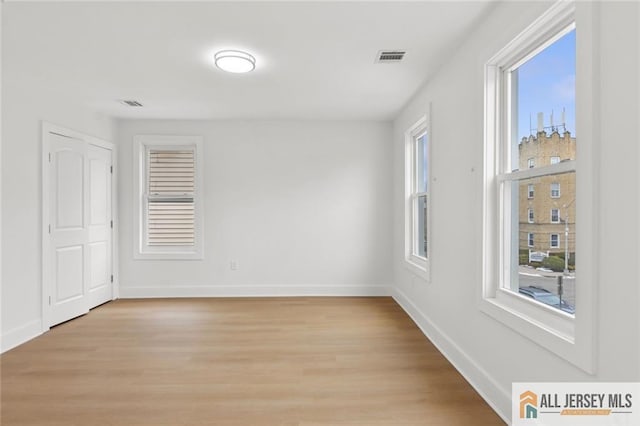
<point>548,298</point>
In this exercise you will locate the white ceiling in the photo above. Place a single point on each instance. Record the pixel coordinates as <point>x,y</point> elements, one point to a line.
<point>314,60</point>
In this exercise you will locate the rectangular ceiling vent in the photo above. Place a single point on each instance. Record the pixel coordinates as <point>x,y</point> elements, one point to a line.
<point>388,56</point>
<point>131,103</point>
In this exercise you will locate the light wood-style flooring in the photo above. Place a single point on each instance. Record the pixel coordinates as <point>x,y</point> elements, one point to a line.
<point>246,361</point>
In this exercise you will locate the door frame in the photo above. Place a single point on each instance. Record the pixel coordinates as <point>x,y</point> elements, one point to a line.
<point>47,283</point>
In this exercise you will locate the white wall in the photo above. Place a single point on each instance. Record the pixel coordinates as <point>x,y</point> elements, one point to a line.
<point>489,354</point>
<point>23,109</point>
<point>302,207</point>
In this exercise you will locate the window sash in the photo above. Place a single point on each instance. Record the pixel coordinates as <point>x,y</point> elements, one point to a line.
<point>417,166</point>
<point>416,234</point>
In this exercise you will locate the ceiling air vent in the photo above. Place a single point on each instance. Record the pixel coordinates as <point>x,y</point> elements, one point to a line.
<point>387,56</point>
<point>131,103</point>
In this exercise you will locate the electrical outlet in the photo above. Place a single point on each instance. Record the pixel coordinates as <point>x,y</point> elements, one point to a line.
<point>233,265</point>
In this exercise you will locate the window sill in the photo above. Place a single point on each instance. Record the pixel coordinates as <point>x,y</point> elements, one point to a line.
<point>548,327</point>
<point>418,267</point>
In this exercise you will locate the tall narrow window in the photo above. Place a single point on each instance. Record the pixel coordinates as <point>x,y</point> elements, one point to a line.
<point>530,191</point>
<point>418,198</point>
<point>170,207</point>
<point>530,116</point>
<point>527,149</point>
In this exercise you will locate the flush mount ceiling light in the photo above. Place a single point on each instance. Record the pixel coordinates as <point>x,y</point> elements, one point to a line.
<point>235,61</point>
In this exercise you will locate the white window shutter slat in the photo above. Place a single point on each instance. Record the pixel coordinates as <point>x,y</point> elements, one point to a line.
<point>170,206</point>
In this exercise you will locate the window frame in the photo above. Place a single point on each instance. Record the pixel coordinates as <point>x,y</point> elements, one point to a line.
<point>551,240</point>
<point>569,337</point>
<point>531,239</point>
<point>554,160</point>
<point>531,191</point>
<point>551,190</point>
<point>557,216</point>
<point>530,216</point>
<point>418,265</point>
<point>142,144</point>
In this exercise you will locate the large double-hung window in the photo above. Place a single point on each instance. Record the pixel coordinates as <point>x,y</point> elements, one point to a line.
<point>530,266</point>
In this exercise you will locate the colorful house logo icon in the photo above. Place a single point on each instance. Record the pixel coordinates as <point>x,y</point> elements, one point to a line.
<point>528,405</point>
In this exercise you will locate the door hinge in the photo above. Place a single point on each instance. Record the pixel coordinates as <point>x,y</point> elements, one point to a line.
<point>49,157</point>
<point>112,169</point>
<point>112,278</point>
<point>49,300</point>
<point>111,224</point>
<point>49,228</point>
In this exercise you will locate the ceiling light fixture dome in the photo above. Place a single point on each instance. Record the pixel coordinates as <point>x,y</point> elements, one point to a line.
<point>235,61</point>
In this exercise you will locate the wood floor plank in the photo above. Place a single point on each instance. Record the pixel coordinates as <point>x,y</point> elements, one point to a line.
<point>238,361</point>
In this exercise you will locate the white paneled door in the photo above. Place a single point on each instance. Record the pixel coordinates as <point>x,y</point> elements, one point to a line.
<point>68,231</point>
<point>77,246</point>
<point>99,225</point>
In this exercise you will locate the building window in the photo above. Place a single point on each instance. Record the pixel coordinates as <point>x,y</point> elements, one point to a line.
<point>555,241</point>
<point>555,160</point>
<point>530,191</point>
<point>530,215</point>
<point>555,216</point>
<point>418,198</point>
<point>520,84</point>
<point>169,211</point>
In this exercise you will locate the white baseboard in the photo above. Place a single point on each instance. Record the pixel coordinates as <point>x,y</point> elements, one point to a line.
<point>134,292</point>
<point>20,335</point>
<point>498,398</point>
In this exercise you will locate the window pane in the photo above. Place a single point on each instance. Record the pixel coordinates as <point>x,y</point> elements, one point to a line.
<point>170,203</point>
<point>421,226</point>
<point>544,250</point>
<point>171,171</point>
<point>421,164</point>
<point>543,106</point>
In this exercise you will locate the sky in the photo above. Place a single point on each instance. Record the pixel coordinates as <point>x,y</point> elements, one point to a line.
<point>546,83</point>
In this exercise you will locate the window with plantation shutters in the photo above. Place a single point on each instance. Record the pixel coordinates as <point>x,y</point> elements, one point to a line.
<point>170,212</point>
<point>170,183</point>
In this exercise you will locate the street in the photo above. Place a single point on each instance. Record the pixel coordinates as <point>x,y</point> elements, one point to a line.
<point>549,281</point>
